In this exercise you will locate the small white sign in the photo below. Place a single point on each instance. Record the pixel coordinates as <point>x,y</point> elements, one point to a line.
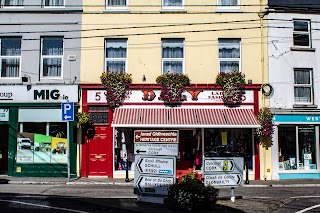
<point>219,165</point>
<point>156,149</point>
<point>226,179</point>
<point>154,185</point>
<point>157,166</point>
<point>4,114</point>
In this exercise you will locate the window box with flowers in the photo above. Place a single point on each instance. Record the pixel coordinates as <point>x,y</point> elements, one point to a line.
<point>116,84</point>
<point>232,87</point>
<point>266,130</point>
<point>173,85</point>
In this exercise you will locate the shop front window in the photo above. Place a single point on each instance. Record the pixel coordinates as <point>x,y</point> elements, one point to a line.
<point>297,152</point>
<point>229,143</point>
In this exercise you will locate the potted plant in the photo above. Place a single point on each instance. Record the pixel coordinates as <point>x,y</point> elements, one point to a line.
<point>189,193</point>
<point>266,130</point>
<point>232,86</point>
<point>86,124</point>
<point>116,84</point>
<point>173,85</point>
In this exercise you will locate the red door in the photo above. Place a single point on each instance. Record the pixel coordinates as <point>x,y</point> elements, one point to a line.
<point>97,153</point>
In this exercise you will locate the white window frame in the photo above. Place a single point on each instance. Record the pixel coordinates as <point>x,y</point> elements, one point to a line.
<point>165,7</point>
<point>304,85</point>
<point>302,33</point>
<point>51,6</point>
<point>52,56</point>
<point>10,57</point>
<point>221,7</point>
<point>117,7</point>
<point>115,59</point>
<point>230,59</point>
<point>12,6</point>
<point>173,59</point>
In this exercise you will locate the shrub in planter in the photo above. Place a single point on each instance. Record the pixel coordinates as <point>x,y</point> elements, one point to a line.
<point>266,131</point>
<point>189,193</point>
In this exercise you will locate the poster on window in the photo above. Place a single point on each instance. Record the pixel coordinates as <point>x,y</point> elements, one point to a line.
<point>38,148</point>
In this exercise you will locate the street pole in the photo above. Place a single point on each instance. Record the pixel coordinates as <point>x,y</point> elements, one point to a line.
<point>127,171</point>
<point>68,150</point>
<point>247,169</point>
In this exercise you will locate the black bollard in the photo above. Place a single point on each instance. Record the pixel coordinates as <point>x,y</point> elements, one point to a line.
<point>247,171</point>
<point>127,173</point>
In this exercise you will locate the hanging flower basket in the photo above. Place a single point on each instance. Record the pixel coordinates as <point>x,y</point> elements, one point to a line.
<point>232,86</point>
<point>173,85</point>
<point>116,84</point>
<point>265,132</point>
<point>86,124</point>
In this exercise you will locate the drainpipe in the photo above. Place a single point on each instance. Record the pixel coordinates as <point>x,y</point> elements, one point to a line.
<point>261,15</point>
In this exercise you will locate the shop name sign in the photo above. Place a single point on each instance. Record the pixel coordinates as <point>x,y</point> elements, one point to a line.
<point>156,165</point>
<point>190,95</point>
<point>160,136</point>
<point>153,185</point>
<point>211,165</point>
<point>223,179</point>
<point>39,93</point>
<point>296,118</point>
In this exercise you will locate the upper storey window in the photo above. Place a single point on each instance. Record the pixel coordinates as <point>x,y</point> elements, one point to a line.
<point>229,55</point>
<point>53,3</point>
<point>116,4</point>
<point>173,56</point>
<point>303,88</point>
<point>51,56</point>
<point>228,4</point>
<point>13,3</point>
<point>116,55</point>
<point>172,4</point>
<point>301,33</point>
<point>10,57</point>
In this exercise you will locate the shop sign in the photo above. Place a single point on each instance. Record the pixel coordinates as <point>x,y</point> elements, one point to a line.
<point>155,165</point>
<point>153,185</point>
<point>147,95</point>
<point>160,136</point>
<point>296,118</point>
<point>39,93</point>
<point>4,114</point>
<point>156,149</point>
<point>225,179</point>
<point>219,165</point>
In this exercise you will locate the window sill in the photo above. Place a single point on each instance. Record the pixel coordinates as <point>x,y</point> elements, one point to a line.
<point>309,106</point>
<point>124,10</point>
<point>173,11</point>
<point>228,10</point>
<point>304,49</point>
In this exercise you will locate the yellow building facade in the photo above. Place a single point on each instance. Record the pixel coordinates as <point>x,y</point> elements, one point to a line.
<point>144,28</point>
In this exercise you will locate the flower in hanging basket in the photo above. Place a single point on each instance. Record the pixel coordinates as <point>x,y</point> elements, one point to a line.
<point>116,84</point>
<point>173,85</point>
<point>265,132</point>
<point>83,118</point>
<point>232,85</point>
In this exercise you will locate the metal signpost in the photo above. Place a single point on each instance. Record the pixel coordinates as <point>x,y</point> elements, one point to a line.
<point>155,156</point>
<point>67,113</point>
<point>223,172</point>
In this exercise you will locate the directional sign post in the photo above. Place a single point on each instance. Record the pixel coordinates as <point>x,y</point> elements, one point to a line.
<point>154,185</point>
<point>155,165</point>
<point>223,179</point>
<point>216,165</point>
<point>67,112</point>
<point>156,149</point>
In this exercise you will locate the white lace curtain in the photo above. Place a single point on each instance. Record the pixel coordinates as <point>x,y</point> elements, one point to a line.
<point>54,2</point>
<point>117,2</point>
<point>228,2</point>
<point>52,47</point>
<point>172,2</point>
<point>229,55</point>
<point>172,49</point>
<point>116,51</point>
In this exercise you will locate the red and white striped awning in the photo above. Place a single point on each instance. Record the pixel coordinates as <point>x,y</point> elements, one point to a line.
<point>184,118</point>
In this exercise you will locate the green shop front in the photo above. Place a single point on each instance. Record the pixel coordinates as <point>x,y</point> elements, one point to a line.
<point>295,150</point>
<point>34,139</point>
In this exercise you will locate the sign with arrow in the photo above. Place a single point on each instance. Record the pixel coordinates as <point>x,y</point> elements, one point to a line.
<point>156,149</point>
<point>217,165</point>
<point>153,185</point>
<point>67,110</point>
<point>228,179</point>
<point>156,165</point>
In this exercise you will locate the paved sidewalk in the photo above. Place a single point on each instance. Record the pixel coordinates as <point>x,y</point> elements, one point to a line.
<point>114,181</point>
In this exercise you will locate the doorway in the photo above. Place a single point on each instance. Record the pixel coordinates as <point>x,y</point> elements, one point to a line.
<point>4,138</point>
<point>188,145</point>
